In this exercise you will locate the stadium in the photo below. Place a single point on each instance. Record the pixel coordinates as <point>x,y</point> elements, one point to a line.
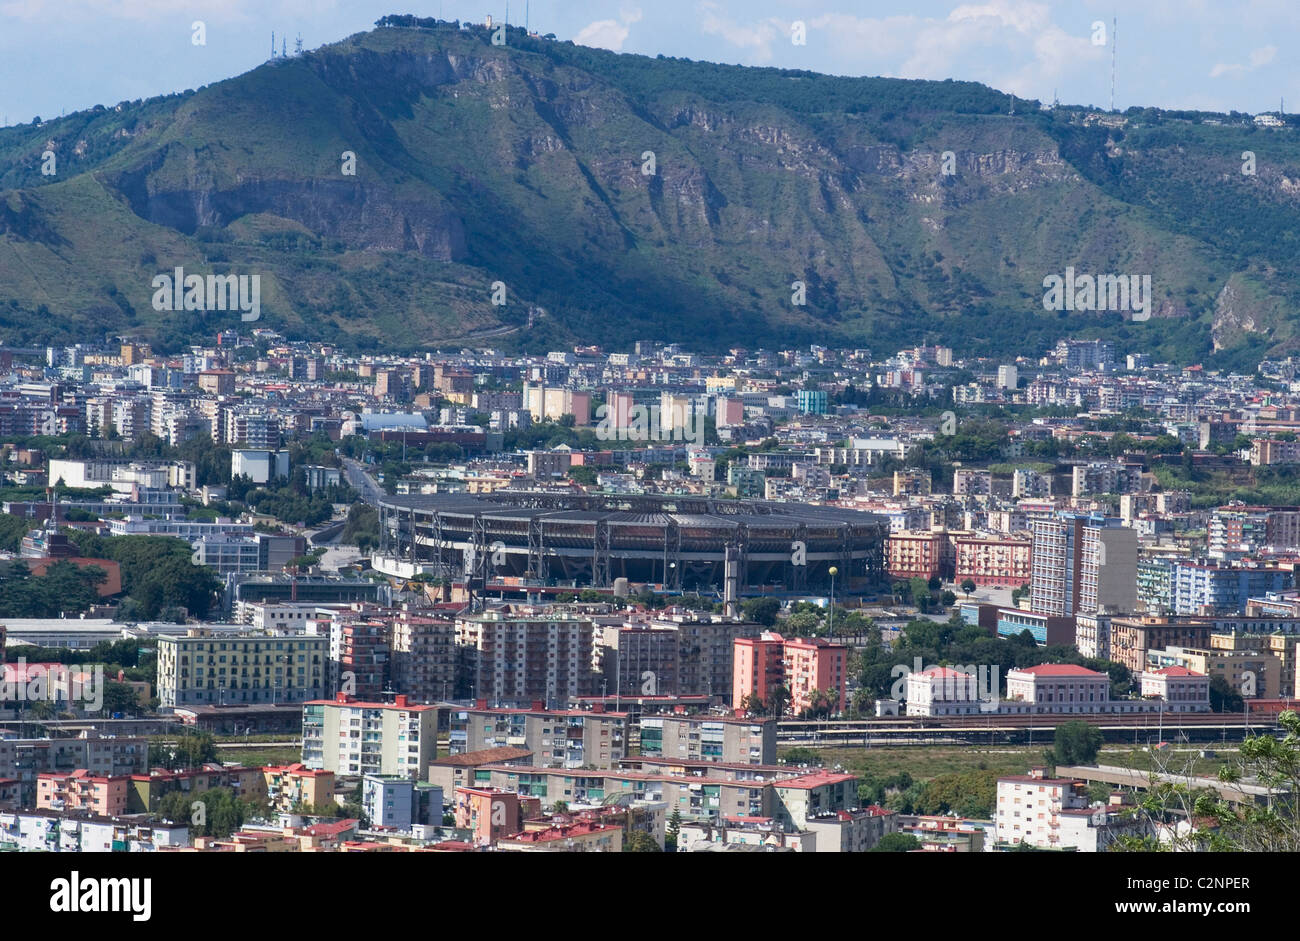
<point>679,543</point>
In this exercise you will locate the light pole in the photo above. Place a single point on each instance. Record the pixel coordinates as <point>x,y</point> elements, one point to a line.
<point>830,626</point>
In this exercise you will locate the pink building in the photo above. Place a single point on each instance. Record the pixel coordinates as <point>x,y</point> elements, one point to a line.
<point>757,667</point>
<point>801,665</point>
<point>80,790</point>
<point>730,412</point>
<point>814,664</point>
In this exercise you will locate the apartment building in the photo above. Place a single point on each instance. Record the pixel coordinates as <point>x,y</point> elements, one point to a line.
<point>725,739</point>
<point>798,801</point>
<point>105,795</point>
<point>566,838</point>
<point>919,554</point>
<point>1217,588</point>
<point>1092,634</point>
<point>290,786</point>
<point>348,736</point>
<point>993,560</point>
<point>758,670</point>
<point>1030,807</point>
<point>424,656</point>
<point>640,659</point>
<point>22,759</point>
<point>705,643</point>
<point>694,796</point>
<point>1104,477</point>
<point>148,790</point>
<point>46,831</point>
<point>815,668</point>
<point>359,653</point>
<point>523,658</point>
<point>1258,666</point>
<point>557,738</point>
<point>202,668</point>
<point>1030,484</point>
<point>971,483</point>
<point>1081,563</point>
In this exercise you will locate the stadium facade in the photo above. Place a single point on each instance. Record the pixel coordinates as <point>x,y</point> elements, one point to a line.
<point>679,542</point>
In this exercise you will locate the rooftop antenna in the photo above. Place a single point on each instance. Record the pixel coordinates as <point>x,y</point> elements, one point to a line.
<point>1114,41</point>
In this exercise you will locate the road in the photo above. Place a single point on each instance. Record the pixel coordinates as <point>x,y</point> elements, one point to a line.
<point>362,482</point>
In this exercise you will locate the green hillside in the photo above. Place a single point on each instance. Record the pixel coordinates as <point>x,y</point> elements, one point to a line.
<point>523,164</point>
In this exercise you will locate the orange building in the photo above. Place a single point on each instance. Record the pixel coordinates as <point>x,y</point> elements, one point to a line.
<point>758,667</point>
<point>918,554</point>
<point>80,790</point>
<point>814,664</point>
<point>489,813</point>
<point>801,665</point>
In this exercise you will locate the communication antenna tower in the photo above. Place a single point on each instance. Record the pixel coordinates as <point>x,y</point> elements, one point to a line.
<point>1114,41</point>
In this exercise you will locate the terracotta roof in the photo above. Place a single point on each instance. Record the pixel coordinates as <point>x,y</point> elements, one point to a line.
<point>482,757</point>
<point>1060,669</point>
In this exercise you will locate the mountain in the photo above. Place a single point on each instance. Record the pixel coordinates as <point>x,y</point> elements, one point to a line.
<point>526,164</point>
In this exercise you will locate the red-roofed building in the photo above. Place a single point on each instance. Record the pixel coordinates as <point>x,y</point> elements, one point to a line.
<point>808,796</point>
<point>1066,687</point>
<point>1182,689</point>
<point>566,838</point>
<point>350,737</point>
<point>288,786</point>
<point>489,813</point>
<point>105,795</point>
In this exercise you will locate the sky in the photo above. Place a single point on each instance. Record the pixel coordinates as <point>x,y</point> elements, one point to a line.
<point>59,56</point>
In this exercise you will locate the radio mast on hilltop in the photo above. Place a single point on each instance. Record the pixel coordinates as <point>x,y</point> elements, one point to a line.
<point>1114,41</point>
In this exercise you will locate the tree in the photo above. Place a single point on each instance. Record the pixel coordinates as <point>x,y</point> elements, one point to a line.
<point>674,830</point>
<point>585,475</point>
<point>778,701</point>
<point>947,599</point>
<point>1076,743</point>
<point>968,585</point>
<point>641,842</point>
<point>1205,820</point>
<point>897,843</point>
<point>1223,698</point>
<point>119,697</point>
<point>762,610</point>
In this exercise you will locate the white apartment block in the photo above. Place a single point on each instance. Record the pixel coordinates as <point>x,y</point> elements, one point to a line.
<point>1029,808</point>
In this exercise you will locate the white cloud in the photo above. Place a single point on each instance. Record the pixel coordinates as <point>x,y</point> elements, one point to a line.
<point>608,34</point>
<point>1009,44</point>
<point>1258,57</point>
<point>757,38</point>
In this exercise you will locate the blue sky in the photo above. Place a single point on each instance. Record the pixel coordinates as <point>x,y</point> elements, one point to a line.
<point>64,55</point>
